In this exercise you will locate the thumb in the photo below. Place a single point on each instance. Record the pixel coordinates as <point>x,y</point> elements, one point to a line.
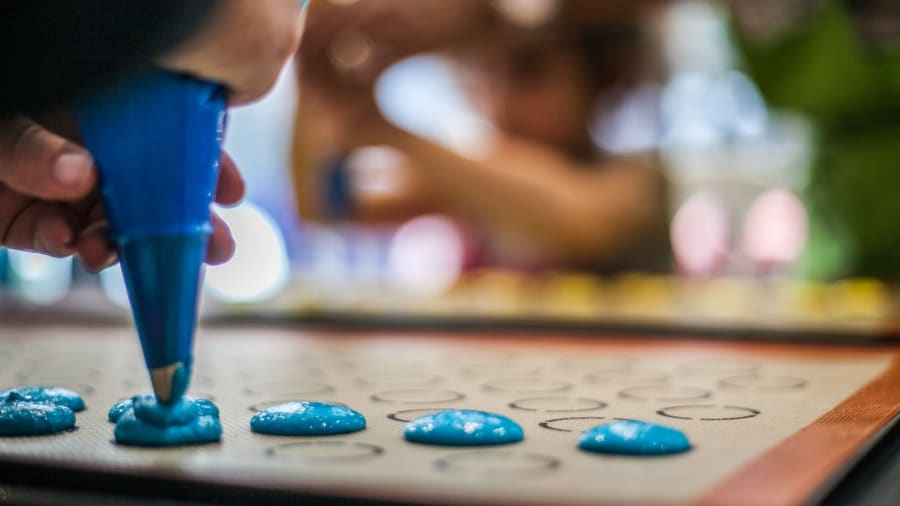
<point>39,163</point>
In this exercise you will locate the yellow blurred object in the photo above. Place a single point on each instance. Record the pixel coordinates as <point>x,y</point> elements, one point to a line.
<point>802,301</point>
<point>645,297</point>
<point>859,298</point>
<point>492,292</point>
<point>721,299</point>
<point>571,295</point>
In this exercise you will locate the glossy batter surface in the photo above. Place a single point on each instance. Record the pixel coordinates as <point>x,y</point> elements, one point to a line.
<point>22,417</point>
<point>463,427</point>
<point>632,437</point>
<point>307,419</point>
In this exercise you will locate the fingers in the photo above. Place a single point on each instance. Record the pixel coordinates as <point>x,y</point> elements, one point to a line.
<point>94,248</point>
<point>221,244</point>
<point>96,251</point>
<point>47,227</point>
<point>230,188</point>
<point>38,163</point>
<point>38,171</point>
<point>229,192</point>
<point>46,203</point>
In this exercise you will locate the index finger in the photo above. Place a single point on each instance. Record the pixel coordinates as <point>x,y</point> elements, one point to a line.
<point>230,188</point>
<point>41,164</point>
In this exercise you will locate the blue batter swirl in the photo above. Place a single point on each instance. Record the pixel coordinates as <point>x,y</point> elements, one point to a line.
<point>143,421</point>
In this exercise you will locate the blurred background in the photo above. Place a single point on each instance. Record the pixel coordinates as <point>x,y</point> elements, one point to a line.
<point>684,162</point>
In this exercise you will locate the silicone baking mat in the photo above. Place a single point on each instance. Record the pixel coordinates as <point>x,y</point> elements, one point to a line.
<point>769,423</point>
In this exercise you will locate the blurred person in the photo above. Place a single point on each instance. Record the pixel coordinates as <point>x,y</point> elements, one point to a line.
<point>54,52</point>
<point>543,194</point>
<point>838,62</point>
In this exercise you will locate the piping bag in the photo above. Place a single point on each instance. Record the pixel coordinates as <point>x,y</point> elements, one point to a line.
<point>156,139</point>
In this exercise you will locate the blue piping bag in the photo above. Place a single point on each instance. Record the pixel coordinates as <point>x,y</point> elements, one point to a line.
<point>156,139</point>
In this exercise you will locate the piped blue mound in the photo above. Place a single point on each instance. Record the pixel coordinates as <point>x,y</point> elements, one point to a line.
<point>307,419</point>
<point>21,417</point>
<point>143,421</point>
<point>47,395</point>
<point>203,406</point>
<point>631,437</point>
<point>463,427</point>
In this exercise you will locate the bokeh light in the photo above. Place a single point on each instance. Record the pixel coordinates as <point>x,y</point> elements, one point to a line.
<point>775,229</point>
<point>40,279</point>
<point>426,255</point>
<point>700,234</point>
<point>259,268</point>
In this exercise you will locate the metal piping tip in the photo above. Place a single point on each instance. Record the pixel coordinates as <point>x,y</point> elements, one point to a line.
<point>163,379</point>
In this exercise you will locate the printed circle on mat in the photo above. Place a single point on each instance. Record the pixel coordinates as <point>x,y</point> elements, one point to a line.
<point>762,384</point>
<point>68,362</point>
<point>708,412</point>
<point>730,366</point>
<point>527,385</point>
<point>558,404</point>
<point>485,354</point>
<point>289,389</point>
<point>596,362</point>
<point>366,362</point>
<point>203,380</point>
<point>503,368</point>
<point>136,383</point>
<point>274,372</point>
<point>326,452</point>
<point>69,384</point>
<point>418,396</point>
<point>408,415</point>
<point>494,463</point>
<point>54,375</point>
<point>575,423</point>
<point>624,377</point>
<point>398,378</point>
<point>664,393</point>
<point>292,361</point>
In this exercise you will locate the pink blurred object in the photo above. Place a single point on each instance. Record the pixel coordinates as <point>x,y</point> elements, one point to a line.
<point>775,230</point>
<point>427,255</point>
<point>700,234</point>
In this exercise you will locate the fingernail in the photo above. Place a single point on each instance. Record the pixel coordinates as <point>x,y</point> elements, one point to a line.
<point>53,240</point>
<point>110,260</point>
<point>214,251</point>
<point>68,238</point>
<point>72,169</point>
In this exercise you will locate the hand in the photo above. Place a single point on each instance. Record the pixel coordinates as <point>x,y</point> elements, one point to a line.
<point>49,202</point>
<point>243,46</point>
